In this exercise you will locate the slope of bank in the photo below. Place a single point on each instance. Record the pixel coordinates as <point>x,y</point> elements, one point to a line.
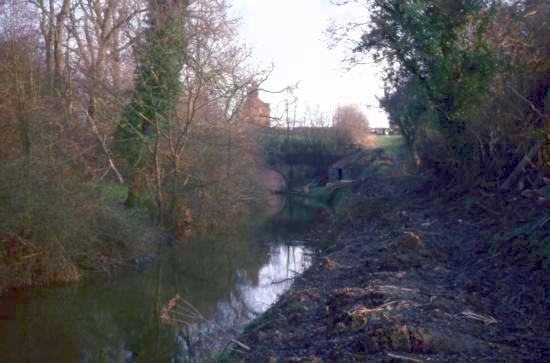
<point>418,274</point>
<point>92,234</point>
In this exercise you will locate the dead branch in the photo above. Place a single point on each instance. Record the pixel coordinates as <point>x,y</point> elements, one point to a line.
<point>531,154</point>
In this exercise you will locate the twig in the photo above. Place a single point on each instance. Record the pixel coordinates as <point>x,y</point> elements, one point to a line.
<point>487,209</point>
<point>533,107</point>
<point>32,255</point>
<point>283,280</point>
<point>179,321</point>
<point>483,318</point>
<point>395,288</point>
<point>240,344</point>
<point>487,259</point>
<point>403,357</point>
<point>180,313</point>
<point>542,223</point>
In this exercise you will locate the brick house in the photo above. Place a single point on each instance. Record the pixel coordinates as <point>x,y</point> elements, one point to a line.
<point>254,110</point>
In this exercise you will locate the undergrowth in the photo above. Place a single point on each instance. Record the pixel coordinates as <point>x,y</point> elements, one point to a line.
<point>52,231</point>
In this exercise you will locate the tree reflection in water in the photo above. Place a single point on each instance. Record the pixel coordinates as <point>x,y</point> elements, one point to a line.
<point>229,281</point>
<point>252,294</point>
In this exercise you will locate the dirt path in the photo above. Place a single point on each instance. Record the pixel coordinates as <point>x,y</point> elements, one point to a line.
<point>414,276</point>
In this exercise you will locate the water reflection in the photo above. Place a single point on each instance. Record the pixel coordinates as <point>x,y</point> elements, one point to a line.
<point>295,218</point>
<point>229,281</point>
<point>253,294</point>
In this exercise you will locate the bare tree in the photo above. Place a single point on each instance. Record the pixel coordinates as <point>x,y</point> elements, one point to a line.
<point>207,141</point>
<point>352,123</point>
<point>53,15</point>
<point>103,33</point>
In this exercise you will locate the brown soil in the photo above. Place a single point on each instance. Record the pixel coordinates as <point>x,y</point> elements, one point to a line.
<point>417,276</point>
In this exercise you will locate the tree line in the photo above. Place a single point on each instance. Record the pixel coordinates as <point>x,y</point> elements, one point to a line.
<point>110,101</point>
<point>466,81</point>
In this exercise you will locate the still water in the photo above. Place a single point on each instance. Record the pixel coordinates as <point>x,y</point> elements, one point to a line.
<point>222,284</point>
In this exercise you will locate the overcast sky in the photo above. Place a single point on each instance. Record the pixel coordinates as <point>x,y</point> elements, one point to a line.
<point>291,35</point>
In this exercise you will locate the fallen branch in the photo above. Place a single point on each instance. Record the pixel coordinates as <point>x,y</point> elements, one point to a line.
<point>483,318</point>
<point>522,164</point>
<point>404,357</point>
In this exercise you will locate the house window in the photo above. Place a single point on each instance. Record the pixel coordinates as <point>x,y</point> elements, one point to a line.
<point>340,174</point>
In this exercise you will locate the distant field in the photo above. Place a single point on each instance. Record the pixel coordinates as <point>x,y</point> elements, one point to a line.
<point>392,144</point>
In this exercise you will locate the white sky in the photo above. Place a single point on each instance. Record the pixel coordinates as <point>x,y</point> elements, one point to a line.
<point>291,35</point>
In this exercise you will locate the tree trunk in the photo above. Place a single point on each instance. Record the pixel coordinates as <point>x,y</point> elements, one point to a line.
<point>58,59</point>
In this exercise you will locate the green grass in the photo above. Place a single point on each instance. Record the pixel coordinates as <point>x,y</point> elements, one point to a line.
<point>261,322</point>
<point>393,145</point>
<point>340,204</point>
<point>320,195</point>
<point>113,194</point>
<point>225,357</point>
<point>333,199</point>
<point>377,167</point>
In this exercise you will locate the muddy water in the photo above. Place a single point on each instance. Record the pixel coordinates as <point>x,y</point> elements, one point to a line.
<point>229,281</point>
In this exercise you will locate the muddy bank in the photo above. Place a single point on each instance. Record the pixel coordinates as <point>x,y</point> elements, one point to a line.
<point>416,275</point>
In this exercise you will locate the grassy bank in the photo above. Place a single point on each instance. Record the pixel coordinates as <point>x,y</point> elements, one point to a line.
<point>70,231</point>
